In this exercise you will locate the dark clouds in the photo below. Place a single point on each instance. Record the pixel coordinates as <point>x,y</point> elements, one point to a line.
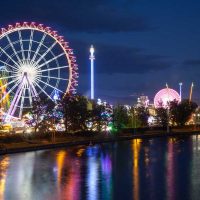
<point>132,56</point>
<point>193,63</point>
<point>120,59</point>
<point>77,15</point>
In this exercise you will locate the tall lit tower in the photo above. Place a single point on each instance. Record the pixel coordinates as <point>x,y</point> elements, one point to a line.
<point>191,90</point>
<point>92,70</point>
<point>180,90</point>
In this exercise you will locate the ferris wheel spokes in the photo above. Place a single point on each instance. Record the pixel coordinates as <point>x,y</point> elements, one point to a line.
<point>21,44</point>
<point>51,86</point>
<point>5,63</point>
<point>64,79</point>
<point>9,57</point>
<point>18,95</point>
<point>6,84</point>
<point>45,63</point>
<point>16,98</point>
<point>22,102</point>
<point>43,91</point>
<point>13,48</point>
<point>49,69</point>
<point>39,46</point>
<point>30,44</point>
<point>6,77</point>
<point>43,55</point>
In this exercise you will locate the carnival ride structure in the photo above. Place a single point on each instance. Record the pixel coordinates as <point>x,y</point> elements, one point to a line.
<point>164,96</point>
<point>35,61</point>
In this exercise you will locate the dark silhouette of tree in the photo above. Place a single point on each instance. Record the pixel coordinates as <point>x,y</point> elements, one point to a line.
<point>75,112</point>
<point>120,117</point>
<point>162,117</point>
<point>181,112</point>
<point>41,113</point>
<point>100,116</point>
<point>133,119</point>
<point>142,115</point>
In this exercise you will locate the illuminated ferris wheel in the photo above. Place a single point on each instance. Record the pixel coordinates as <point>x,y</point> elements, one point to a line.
<point>35,61</point>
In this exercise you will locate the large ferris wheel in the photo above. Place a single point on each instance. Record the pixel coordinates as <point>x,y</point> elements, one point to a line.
<point>34,61</point>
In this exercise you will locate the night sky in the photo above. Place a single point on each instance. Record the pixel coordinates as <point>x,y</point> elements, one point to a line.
<point>140,44</point>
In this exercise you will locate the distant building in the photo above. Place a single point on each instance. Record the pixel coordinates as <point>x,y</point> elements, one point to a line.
<point>152,110</point>
<point>143,101</point>
<point>196,117</point>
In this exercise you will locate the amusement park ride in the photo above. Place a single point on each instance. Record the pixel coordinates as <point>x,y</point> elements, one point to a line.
<point>34,61</point>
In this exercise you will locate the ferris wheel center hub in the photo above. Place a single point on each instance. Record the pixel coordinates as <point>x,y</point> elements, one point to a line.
<point>28,70</point>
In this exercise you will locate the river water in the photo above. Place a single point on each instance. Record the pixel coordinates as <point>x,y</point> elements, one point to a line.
<point>159,168</point>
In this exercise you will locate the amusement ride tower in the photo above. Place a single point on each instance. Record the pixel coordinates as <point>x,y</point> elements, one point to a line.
<point>92,71</point>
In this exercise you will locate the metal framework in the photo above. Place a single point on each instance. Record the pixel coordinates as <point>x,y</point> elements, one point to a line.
<point>37,61</point>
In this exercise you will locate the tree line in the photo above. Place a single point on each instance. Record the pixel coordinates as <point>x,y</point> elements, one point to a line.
<point>78,113</point>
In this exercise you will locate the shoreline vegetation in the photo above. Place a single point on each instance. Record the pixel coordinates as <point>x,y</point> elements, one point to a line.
<point>78,116</point>
<point>16,143</point>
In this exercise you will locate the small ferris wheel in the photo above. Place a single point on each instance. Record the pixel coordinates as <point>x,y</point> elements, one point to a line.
<point>34,61</point>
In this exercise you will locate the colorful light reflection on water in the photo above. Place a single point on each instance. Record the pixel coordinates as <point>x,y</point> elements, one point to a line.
<point>160,168</point>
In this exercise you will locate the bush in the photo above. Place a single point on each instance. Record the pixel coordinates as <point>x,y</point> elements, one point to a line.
<point>39,135</point>
<point>12,138</point>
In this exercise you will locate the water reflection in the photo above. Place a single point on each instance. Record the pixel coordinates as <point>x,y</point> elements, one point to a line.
<point>3,174</point>
<point>60,164</point>
<point>92,178</point>
<point>106,176</point>
<point>195,174</point>
<point>136,149</point>
<point>73,186</point>
<point>160,168</point>
<point>170,170</point>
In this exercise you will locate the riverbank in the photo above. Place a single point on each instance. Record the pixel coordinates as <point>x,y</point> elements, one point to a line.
<point>60,142</point>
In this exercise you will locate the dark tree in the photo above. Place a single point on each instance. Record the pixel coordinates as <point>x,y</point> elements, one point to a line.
<point>100,116</point>
<point>143,115</point>
<point>120,117</point>
<point>181,112</point>
<point>162,117</point>
<point>75,112</point>
<point>133,119</point>
<point>41,112</point>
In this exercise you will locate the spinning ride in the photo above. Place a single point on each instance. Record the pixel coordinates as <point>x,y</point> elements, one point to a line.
<point>164,96</point>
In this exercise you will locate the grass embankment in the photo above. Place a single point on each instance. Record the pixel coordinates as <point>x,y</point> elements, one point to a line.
<point>13,143</point>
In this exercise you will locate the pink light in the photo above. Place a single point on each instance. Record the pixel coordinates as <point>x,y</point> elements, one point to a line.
<point>164,96</point>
